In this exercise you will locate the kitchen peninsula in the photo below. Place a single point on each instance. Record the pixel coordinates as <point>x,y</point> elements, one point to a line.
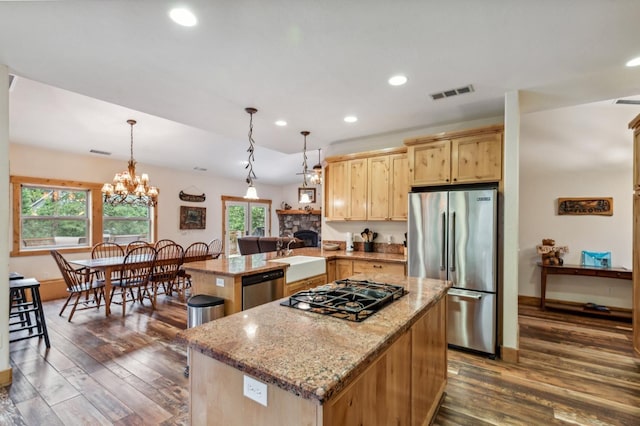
<point>312,369</point>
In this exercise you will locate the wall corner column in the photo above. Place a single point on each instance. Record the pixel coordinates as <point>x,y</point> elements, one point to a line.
<point>5,205</point>
<point>510,327</point>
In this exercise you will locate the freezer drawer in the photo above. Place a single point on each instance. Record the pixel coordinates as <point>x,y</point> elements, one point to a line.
<point>471,320</point>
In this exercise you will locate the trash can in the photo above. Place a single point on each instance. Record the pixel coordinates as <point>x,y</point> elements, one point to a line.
<point>202,308</point>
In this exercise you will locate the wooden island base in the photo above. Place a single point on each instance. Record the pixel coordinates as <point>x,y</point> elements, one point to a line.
<point>403,385</point>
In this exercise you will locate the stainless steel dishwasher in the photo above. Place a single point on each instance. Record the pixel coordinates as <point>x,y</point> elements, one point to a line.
<point>260,288</point>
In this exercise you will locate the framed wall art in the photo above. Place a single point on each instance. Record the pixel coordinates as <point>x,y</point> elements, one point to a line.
<point>193,217</point>
<point>311,192</point>
<point>586,206</point>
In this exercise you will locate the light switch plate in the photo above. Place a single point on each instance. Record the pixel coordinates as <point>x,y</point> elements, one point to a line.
<point>220,282</point>
<point>255,390</point>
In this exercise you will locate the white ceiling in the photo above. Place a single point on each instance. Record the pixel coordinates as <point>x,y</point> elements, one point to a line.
<point>84,68</point>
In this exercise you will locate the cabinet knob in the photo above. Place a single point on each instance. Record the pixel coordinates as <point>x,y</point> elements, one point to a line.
<point>377,266</point>
<point>455,179</point>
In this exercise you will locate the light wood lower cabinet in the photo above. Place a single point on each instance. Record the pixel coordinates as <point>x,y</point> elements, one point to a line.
<point>347,267</point>
<point>371,266</point>
<point>305,284</point>
<point>331,271</point>
<point>403,386</point>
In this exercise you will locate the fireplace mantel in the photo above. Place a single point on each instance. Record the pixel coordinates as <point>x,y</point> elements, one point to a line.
<point>298,212</point>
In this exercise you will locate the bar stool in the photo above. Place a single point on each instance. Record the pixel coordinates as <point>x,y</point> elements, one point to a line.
<point>22,309</point>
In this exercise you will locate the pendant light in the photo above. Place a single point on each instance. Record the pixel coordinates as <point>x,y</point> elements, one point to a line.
<point>128,188</point>
<point>316,177</point>
<point>251,194</point>
<point>304,198</point>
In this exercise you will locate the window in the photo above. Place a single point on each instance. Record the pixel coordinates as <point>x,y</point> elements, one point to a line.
<point>125,223</point>
<point>53,217</point>
<point>70,217</point>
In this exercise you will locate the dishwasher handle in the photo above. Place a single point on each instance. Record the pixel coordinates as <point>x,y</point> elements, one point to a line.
<point>262,277</point>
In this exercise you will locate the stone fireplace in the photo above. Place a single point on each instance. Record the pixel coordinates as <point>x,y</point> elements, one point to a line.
<point>292,221</point>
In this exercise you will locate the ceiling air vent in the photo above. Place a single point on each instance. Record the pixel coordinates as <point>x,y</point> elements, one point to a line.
<point>452,92</point>
<point>627,102</point>
<point>97,151</point>
<point>199,169</point>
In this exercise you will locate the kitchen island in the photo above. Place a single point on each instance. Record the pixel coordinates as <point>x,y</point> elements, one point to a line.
<point>222,277</point>
<point>313,369</point>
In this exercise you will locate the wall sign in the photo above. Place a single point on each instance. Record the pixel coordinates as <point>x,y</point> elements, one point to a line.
<point>585,206</point>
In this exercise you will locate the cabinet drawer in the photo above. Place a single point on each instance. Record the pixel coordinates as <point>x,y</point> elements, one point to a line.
<point>305,284</point>
<point>369,267</point>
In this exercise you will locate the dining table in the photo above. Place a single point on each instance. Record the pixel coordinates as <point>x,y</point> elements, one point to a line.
<point>109,265</point>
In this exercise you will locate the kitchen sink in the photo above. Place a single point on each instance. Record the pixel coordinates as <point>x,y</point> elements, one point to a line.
<point>301,267</point>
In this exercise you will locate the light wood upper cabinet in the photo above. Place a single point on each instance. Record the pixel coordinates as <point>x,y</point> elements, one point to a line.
<point>367,186</point>
<point>388,187</point>
<point>476,158</point>
<point>430,163</point>
<point>467,156</point>
<point>346,190</point>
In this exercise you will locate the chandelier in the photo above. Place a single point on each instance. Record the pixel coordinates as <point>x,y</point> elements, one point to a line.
<point>304,198</point>
<point>316,177</point>
<point>251,194</point>
<point>128,187</point>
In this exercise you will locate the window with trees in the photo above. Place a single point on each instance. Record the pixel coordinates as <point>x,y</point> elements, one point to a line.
<point>71,217</point>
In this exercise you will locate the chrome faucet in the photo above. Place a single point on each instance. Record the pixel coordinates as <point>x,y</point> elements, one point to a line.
<point>289,247</point>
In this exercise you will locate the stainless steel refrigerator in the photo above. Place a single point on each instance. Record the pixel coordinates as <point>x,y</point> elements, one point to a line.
<point>452,235</point>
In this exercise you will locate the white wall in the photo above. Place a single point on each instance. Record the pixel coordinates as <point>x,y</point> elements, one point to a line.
<point>35,162</point>
<point>539,191</point>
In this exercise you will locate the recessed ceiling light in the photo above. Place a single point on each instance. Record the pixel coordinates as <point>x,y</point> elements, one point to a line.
<point>183,17</point>
<point>634,62</point>
<point>351,119</point>
<point>281,123</point>
<point>397,80</point>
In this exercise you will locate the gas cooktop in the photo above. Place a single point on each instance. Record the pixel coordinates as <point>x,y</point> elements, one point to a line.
<point>353,300</point>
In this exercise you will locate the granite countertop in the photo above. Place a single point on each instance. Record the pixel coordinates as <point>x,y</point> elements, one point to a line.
<point>312,355</point>
<point>261,262</point>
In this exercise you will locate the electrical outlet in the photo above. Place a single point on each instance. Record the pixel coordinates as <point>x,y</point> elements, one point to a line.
<point>220,282</point>
<point>255,390</point>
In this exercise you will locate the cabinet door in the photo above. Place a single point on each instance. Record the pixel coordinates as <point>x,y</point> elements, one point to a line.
<point>430,163</point>
<point>477,158</point>
<point>636,160</point>
<point>344,269</point>
<point>379,172</point>
<point>337,199</point>
<point>331,271</point>
<point>358,189</point>
<point>398,187</point>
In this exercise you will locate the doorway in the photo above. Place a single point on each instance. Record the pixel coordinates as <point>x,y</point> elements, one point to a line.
<point>243,218</point>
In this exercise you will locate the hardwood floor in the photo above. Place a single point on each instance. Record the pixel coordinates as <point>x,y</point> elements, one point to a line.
<point>573,370</point>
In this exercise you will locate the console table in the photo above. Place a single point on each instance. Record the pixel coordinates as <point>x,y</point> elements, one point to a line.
<point>620,273</point>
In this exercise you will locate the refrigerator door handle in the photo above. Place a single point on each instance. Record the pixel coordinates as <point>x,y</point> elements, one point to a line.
<point>465,294</point>
<point>452,268</point>
<point>443,246</point>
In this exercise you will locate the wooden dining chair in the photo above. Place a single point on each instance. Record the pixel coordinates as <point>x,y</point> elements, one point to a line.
<point>164,242</point>
<point>196,251</point>
<point>106,249</point>
<point>135,275</point>
<point>135,244</point>
<point>165,271</point>
<point>215,248</point>
<point>79,283</point>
